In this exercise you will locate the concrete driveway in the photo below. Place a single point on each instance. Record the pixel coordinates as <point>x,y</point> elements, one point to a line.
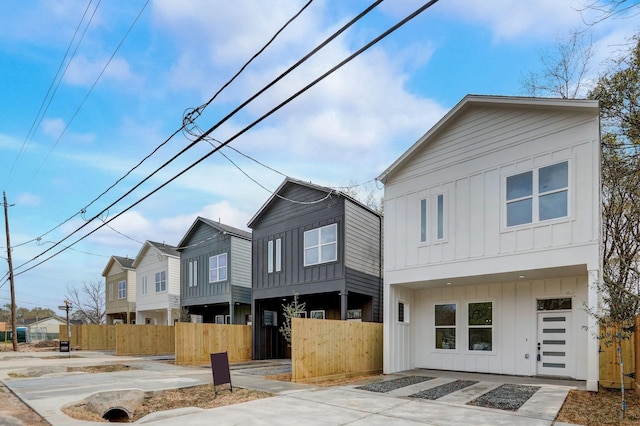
<point>294,403</point>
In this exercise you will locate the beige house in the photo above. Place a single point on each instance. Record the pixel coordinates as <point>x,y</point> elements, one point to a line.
<point>120,290</point>
<point>45,328</point>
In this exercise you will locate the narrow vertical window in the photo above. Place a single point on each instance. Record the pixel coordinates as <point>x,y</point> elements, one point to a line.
<point>192,270</point>
<point>403,312</point>
<point>144,284</point>
<point>270,256</point>
<point>440,217</point>
<point>423,220</point>
<point>110,291</point>
<point>278,255</point>
<point>122,290</point>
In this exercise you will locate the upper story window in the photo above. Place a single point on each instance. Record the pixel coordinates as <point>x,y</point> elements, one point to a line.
<point>122,290</point>
<point>218,268</point>
<point>110,291</point>
<point>438,225</point>
<point>423,221</point>
<point>192,273</point>
<point>274,256</point>
<point>161,281</point>
<point>321,245</point>
<point>537,195</point>
<point>144,284</point>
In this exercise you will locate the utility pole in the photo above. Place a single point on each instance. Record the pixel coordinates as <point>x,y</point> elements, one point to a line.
<point>14,332</point>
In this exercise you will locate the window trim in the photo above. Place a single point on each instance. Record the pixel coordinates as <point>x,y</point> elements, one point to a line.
<point>122,289</point>
<point>144,285</point>
<point>279,255</point>
<point>192,272</point>
<point>320,245</point>
<point>159,282</point>
<point>536,195</point>
<point>270,257</point>
<point>111,292</point>
<point>455,326</point>
<point>490,327</point>
<point>405,311</point>
<point>441,215</point>
<point>219,268</point>
<point>424,221</point>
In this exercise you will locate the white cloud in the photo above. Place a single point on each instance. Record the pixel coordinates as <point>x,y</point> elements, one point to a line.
<point>84,71</point>
<point>29,200</point>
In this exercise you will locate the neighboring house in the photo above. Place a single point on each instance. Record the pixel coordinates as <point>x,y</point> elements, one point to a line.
<point>492,241</point>
<point>158,284</point>
<point>44,328</point>
<point>320,244</point>
<point>120,290</point>
<point>216,273</point>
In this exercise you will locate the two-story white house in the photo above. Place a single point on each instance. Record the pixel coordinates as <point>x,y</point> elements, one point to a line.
<point>158,284</point>
<point>492,241</point>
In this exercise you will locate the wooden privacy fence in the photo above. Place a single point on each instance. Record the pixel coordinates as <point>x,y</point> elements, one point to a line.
<point>90,337</point>
<point>145,339</point>
<point>323,348</point>
<point>196,341</point>
<point>610,361</point>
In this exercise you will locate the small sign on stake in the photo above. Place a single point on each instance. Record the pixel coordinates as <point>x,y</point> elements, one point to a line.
<point>221,371</point>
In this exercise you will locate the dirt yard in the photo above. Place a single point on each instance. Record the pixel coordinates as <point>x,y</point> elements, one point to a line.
<point>602,408</point>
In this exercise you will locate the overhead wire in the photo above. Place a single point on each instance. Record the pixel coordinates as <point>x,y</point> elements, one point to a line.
<point>185,123</point>
<point>38,118</point>
<point>245,129</point>
<point>218,124</point>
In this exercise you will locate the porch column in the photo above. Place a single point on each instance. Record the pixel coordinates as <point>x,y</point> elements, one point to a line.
<point>231,321</point>
<point>343,305</point>
<point>593,354</point>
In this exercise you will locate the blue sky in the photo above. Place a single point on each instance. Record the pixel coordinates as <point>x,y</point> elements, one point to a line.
<point>346,129</point>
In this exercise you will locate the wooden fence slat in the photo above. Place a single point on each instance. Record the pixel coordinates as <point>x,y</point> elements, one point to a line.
<point>609,362</point>
<point>326,348</point>
<point>195,342</point>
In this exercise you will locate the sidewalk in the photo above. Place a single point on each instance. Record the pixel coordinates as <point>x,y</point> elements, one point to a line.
<point>294,403</point>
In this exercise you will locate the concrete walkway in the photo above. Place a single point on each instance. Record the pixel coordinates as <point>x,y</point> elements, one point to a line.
<point>294,403</point>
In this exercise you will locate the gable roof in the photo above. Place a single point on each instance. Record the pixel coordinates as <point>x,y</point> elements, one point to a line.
<point>163,248</point>
<point>475,101</point>
<point>124,262</point>
<point>218,226</point>
<point>291,181</point>
<point>32,321</point>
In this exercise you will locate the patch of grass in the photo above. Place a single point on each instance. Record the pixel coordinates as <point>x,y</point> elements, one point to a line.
<point>600,408</point>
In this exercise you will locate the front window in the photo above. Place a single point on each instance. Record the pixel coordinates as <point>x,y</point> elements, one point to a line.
<point>278,255</point>
<point>218,268</point>
<point>481,326</point>
<point>445,324</point>
<point>538,195</point>
<point>192,271</point>
<point>440,217</point>
<point>161,281</point>
<point>423,220</point>
<point>144,284</point>
<point>321,245</point>
<point>122,290</point>
<point>270,256</point>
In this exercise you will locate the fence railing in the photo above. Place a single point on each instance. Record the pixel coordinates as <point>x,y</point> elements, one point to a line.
<point>323,349</point>
<point>196,341</point>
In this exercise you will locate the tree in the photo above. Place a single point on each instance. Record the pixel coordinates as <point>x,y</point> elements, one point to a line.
<point>88,302</point>
<point>371,197</point>
<point>291,310</point>
<point>610,8</point>
<point>619,94</point>
<point>564,69</point>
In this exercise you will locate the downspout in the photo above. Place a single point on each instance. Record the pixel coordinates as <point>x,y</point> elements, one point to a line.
<point>380,268</point>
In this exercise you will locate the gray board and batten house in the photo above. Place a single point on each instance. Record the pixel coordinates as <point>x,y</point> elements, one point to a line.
<point>216,273</point>
<point>320,244</point>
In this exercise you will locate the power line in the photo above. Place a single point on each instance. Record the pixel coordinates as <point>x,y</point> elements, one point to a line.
<point>246,129</point>
<point>38,118</point>
<point>188,119</point>
<point>218,124</point>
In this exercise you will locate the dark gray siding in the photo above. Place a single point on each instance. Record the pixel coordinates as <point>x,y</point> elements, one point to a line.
<point>289,221</point>
<point>203,243</point>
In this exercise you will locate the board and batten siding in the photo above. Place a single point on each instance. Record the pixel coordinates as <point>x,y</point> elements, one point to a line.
<point>514,326</point>
<point>469,163</point>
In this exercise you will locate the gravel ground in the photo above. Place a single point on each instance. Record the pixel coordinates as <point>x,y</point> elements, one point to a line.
<point>442,390</point>
<point>505,397</point>
<point>267,371</point>
<point>389,385</point>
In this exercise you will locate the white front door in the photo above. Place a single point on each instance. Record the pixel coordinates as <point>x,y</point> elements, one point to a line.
<point>554,344</point>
